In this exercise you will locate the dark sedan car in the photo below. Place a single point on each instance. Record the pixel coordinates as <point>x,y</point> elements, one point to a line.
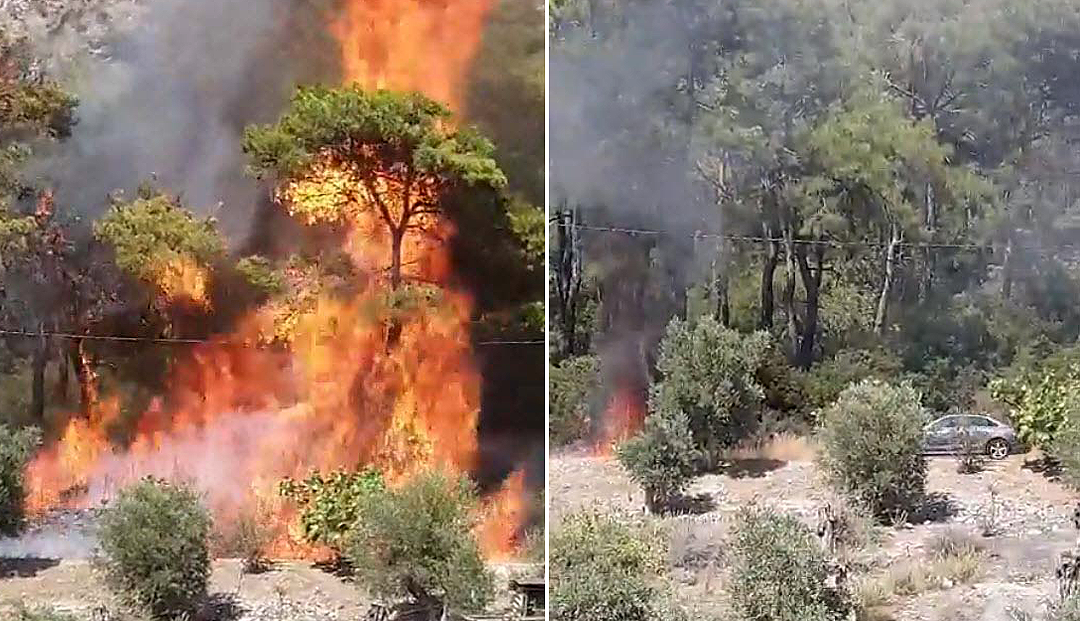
<point>948,435</point>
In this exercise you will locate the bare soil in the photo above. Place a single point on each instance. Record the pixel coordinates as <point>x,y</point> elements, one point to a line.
<point>289,591</point>
<point>1024,511</point>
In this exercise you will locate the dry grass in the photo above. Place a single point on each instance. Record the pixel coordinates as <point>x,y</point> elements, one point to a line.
<point>951,558</point>
<point>782,446</point>
<point>695,543</point>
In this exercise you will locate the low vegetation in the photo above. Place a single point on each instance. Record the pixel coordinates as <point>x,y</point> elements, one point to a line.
<point>872,447</point>
<point>329,504</point>
<point>605,570</point>
<point>416,542</point>
<point>16,448</point>
<point>661,458</point>
<point>779,572</point>
<point>154,547</point>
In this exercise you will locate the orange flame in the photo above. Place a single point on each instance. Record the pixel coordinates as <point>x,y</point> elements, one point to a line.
<point>418,45</point>
<point>311,384</point>
<point>500,532</point>
<point>623,417</point>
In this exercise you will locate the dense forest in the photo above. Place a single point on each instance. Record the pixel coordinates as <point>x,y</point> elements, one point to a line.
<point>885,189</point>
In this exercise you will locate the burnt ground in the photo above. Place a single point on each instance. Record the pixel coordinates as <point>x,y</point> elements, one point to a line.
<point>51,565</point>
<point>1025,511</point>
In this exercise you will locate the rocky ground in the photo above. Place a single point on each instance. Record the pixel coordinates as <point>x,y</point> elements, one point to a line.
<point>289,591</point>
<point>51,564</point>
<point>1015,511</point>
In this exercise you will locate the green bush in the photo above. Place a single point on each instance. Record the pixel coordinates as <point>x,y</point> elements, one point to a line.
<point>329,504</point>
<point>602,570</point>
<point>825,381</point>
<point>1038,401</point>
<point>872,447</point>
<point>16,448</point>
<point>154,547</point>
<point>573,382</point>
<point>1065,443</point>
<point>779,572</point>
<point>709,373</point>
<point>661,458</point>
<point>417,542</point>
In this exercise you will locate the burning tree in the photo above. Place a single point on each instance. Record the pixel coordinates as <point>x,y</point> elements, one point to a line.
<point>341,156</point>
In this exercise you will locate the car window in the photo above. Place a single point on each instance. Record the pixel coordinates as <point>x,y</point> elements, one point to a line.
<point>983,421</point>
<point>949,422</point>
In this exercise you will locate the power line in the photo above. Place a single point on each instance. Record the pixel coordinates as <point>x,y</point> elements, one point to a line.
<point>174,341</point>
<point>836,243</point>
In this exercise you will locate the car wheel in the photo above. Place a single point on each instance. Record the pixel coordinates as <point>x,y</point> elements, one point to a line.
<point>997,449</point>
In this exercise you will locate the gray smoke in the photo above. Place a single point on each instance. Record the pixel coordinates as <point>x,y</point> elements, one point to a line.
<point>167,97</point>
<point>620,116</point>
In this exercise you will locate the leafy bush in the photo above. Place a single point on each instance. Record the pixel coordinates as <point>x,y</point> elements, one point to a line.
<point>16,448</point>
<point>709,373</point>
<point>602,570</point>
<point>154,547</point>
<point>417,542</point>
<point>825,381</point>
<point>872,447</point>
<point>329,504</point>
<point>779,572</point>
<point>1064,445</point>
<point>1039,401</point>
<point>573,381</point>
<point>661,458</point>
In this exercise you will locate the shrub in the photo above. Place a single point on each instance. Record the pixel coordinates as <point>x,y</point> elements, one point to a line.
<point>709,373</point>
<point>779,572</point>
<point>16,448</point>
<point>825,381</point>
<point>1039,401</point>
<point>329,504</point>
<point>603,570</point>
<point>1065,446</point>
<point>660,458</point>
<point>872,447</point>
<point>573,381</point>
<point>154,547</point>
<point>246,538</point>
<point>417,542</point>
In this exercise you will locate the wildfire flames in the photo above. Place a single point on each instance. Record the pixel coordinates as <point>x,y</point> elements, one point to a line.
<point>623,417</point>
<point>333,392</point>
<point>420,45</point>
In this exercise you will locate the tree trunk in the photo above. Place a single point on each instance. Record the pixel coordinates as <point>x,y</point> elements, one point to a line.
<point>926,283</point>
<point>1007,270</point>
<point>567,281</point>
<point>789,291</point>
<point>393,334</point>
<point>720,284</point>
<point>85,375</point>
<point>63,379</point>
<point>768,275</point>
<point>812,283</point>
<point>397,237</point>
<point>41,357</point>
<point>887,281</point>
